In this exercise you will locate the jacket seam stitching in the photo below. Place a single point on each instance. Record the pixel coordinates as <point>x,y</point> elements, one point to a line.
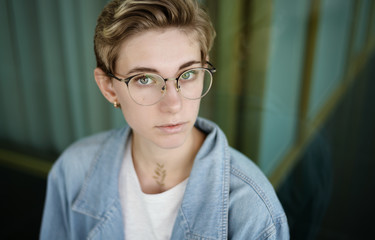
<point>268,232</point>
<point>226,182</point>
<point>107,217</point>
<point>254,186</point>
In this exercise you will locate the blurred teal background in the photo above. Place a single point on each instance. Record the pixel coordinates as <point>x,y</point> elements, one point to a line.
<point>293,91</point>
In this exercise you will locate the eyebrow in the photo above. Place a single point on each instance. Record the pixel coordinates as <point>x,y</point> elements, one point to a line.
<point>152,70</point>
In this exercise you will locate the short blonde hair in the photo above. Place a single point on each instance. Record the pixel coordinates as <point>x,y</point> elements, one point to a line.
<point>121,19</point>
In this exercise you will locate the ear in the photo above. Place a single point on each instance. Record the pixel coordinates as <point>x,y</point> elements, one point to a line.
<point>105,84</point>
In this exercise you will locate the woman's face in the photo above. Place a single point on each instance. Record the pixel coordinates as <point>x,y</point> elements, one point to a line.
<point>168,52</point>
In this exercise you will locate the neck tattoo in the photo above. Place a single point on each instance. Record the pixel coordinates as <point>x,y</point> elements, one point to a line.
<point>160,174</point>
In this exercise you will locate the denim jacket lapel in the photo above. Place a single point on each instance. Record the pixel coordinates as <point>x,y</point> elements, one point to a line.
<point>111,225</point>
<point>204,209</point>
<point>99,197</point>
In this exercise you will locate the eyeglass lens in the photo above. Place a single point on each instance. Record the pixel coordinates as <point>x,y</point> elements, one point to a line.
<point>148,89</point>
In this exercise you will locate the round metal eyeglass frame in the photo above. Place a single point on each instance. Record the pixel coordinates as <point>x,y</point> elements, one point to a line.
<point>211,69</point>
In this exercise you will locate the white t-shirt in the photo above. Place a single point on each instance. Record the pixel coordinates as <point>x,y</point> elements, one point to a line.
<point>146,216</point>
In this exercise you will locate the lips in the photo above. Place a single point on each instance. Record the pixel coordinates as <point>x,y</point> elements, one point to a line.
<point>172,128</point>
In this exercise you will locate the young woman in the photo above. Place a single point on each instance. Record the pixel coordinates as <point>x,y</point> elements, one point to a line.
<point>169,175</point>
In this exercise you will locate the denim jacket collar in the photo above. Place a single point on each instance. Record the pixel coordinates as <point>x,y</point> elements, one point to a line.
<point>204,209</point>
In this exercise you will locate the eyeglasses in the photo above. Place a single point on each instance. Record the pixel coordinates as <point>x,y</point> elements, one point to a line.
<point>149,88</point>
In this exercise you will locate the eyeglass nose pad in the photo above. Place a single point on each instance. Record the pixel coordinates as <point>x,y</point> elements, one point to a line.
<point>178,86</point>
<point>163,89</point>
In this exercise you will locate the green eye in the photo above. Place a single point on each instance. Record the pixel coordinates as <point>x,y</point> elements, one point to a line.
<point>188,75</point>
<point>145,80</point>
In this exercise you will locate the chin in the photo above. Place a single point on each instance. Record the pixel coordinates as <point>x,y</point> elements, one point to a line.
<point>171,142</point>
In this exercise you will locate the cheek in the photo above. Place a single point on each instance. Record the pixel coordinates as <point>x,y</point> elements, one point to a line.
<point>121,91</point>
<point>192,107</point>
<point>133,114</point>
<point>130,110</point>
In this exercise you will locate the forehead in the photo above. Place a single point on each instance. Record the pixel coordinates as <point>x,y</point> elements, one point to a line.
<point>158,48</point>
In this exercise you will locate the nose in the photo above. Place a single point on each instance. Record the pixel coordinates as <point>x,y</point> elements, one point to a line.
<point>172,100</point>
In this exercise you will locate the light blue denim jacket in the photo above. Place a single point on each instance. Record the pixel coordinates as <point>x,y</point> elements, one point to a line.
<point>227,196</point>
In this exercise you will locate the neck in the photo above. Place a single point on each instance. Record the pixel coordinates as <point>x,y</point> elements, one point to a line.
<point>161,169</point>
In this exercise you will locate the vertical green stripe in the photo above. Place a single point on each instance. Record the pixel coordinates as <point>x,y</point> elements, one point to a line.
<point>371,23</point>
<point>256,50</point>
<point>307,71</point>
<point>29,65</point>
<point>350,53</point>
<point>12,121</point>
<point>54,74</point>
<point>227,84</point>
<point>69,13</point>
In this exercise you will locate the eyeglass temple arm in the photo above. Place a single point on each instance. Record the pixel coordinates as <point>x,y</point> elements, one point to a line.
<point>113,76</point>
<point>212,68</point>
<point>126,80</point>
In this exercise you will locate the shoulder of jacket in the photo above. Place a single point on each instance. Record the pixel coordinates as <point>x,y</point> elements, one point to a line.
<point>249,180</point>
<point>77,158</point>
